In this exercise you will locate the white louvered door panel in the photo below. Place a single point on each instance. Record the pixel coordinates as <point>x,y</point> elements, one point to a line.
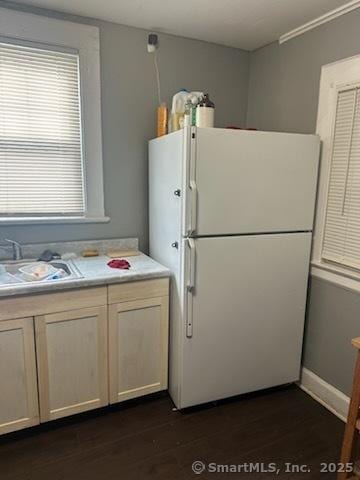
<point>41,167</point>
<point>342,226</point>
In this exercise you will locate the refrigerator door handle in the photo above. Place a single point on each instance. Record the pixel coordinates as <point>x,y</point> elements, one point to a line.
<point>190,287</point>
<point>193,206</point>
<point>189,314</point>
<point>192,258</point>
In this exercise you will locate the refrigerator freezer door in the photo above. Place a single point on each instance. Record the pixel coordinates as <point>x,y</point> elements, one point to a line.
<point>247,315</point>
<point>252,182</point>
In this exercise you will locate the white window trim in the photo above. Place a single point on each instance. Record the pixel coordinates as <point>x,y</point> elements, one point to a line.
<point>333,76</point>
<point>85,39</point>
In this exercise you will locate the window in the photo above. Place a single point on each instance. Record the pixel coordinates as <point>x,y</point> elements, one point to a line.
<point>336,253</point>
<point>341,242</point>
<point>41,165</point>
<point>50,121</point>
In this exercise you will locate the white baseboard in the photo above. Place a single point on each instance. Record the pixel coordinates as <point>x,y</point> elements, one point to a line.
<point>321,391</point>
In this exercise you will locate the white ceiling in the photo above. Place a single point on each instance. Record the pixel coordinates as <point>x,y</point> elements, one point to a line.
<point>247,24</point>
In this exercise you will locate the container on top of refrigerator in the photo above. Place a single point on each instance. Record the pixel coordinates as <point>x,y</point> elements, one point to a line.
<point>194,99</point>
<point>205,112</point>
<point>183,111</point>
<point>178,110</point>
<point>162,115</point>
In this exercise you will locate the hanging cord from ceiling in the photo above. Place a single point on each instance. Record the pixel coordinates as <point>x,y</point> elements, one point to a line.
<point>152,47</point>
<point>157,71</point>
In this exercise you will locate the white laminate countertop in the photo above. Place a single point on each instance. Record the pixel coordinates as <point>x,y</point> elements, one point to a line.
<point>94,271</point>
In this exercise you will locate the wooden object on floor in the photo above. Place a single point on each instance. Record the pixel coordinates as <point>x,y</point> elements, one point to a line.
<point>353,422</point>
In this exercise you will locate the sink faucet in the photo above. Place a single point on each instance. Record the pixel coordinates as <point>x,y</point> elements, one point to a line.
<point>17,250</point>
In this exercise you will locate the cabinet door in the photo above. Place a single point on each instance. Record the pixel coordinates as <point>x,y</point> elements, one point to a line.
<point>71,349</point>
<point>138,348</point>
<point>18,394</point>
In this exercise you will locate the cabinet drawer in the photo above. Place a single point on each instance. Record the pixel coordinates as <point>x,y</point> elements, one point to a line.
<point>43,303</point>
<point>126,292</point>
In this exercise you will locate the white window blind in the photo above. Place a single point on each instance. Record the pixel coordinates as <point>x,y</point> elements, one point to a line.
<point>342,225</point>
<point>41,165</point>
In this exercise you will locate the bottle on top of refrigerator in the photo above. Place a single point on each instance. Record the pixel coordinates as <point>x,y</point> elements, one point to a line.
<point>178,110</point>
<point>205,112</point>
<point>194,102</point>
<point>161,120</point>
<point>195,98</point>
<point>188,113</point>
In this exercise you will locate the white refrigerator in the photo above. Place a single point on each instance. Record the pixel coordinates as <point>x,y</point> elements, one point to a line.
<point>231,214</point>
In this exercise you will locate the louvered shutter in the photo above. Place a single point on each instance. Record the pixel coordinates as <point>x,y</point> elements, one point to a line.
<point>342,225</point>
<point>41,167</point>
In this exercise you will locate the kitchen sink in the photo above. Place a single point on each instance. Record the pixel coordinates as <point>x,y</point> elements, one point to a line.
<point>10,273</point>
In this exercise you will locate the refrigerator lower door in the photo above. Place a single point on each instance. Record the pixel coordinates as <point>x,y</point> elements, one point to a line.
<point>244,301</point>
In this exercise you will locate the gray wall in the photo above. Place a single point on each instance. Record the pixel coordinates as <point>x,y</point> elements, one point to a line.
<point>284,79</point>
<point>283,95</point>
<point>333,319</point>
<point>128,113</point>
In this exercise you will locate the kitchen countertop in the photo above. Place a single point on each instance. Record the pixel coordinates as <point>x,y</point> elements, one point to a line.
<point>94,271</point>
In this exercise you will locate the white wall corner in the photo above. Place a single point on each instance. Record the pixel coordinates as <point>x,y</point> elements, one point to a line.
<point>324,393</point>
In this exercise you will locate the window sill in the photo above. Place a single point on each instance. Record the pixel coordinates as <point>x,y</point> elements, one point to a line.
<point>343,278</point>
<point>51,220</point>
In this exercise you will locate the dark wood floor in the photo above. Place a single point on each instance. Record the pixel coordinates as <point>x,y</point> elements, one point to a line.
<point>148,440</point>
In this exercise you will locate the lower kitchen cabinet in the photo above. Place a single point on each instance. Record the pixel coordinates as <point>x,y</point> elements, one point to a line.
<point>71,350</point>
<point>138,347</point>
<point>18,391</point>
